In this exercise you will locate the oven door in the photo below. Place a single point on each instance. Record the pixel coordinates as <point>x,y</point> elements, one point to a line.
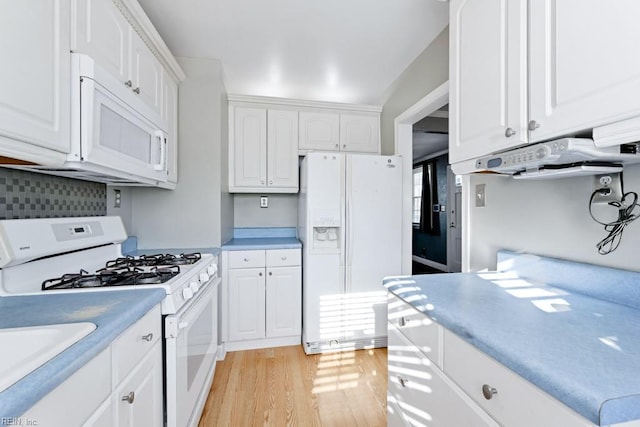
<point>191,340</point>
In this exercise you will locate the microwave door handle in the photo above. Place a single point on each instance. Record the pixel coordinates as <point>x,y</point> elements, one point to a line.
<point>163,151</point>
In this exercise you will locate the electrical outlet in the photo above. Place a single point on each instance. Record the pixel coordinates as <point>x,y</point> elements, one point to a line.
<point>608,188</point>
<point>117,198</point>
<point>264,201</point>
<point>480,195</point>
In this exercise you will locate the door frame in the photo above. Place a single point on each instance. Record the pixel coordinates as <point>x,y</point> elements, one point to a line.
<point>403,146</point>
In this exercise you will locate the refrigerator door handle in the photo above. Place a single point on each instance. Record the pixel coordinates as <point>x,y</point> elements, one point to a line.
<point>348,225</point>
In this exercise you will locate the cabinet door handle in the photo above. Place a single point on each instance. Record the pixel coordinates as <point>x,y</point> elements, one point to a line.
<point>402,322</point>
<point>148,337</point>
<point>284,258</point>
<point>270,182</point>
<point>509,132</point>
<point>403,382</point>
<point>260,274</point>
<point>137,90</point>
<point>270,273</point>
<point>246,259</point>
<point>533,125</point>
<point>129,398</point>
<point>488,392</point>
<point>128,83</point>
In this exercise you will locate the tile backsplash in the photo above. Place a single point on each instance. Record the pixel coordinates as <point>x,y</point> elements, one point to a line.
<point>25,195</point>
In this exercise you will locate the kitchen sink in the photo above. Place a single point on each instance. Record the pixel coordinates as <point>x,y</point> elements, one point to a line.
<point>25,349</point>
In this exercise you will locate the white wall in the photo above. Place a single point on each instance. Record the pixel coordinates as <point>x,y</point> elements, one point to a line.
<point>428,71</point>
<point>546,218</point>
<point>192,214</point>
<point>282,211</point>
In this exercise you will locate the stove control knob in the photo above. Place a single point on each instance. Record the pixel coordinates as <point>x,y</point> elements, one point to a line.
<point>204,277</point>
<point>187,294</point>
<point>194,286</point>
<point>212,270</point>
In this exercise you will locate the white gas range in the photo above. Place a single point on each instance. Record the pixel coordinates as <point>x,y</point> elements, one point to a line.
<point>42,256</point>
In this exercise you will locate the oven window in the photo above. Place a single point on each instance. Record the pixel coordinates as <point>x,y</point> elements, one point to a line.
<point>199,338</point>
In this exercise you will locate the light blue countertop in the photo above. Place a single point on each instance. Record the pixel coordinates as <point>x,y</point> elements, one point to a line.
<point>263,238</point>
<point>582,350</point>
<point>111,311</point>
<point>130,247</point>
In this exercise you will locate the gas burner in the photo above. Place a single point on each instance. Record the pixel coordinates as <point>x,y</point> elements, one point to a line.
<point>121,276</point>
<point>154,260</point>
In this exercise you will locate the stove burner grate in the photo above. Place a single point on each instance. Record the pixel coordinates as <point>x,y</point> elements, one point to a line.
<point>121,276</point>
<point>154,260</point>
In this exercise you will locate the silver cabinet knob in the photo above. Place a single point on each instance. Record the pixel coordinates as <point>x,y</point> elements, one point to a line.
<point>270,182</point>
<point>128,83</point>
<point>337,145</point>
<point>402,321</point>
<point>509,132</point>
<point>137,90</point>
<point>488,392</point>
<point>129,398</point>
<point>270,273</point>
<point>260,274</point>
<point>148,337</point>
<point>262,182</point>
<point>533,125</point>
<point>246,259</point>
<point>403,382</point>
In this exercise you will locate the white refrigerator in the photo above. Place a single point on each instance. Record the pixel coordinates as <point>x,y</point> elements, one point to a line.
<point>350,227</point>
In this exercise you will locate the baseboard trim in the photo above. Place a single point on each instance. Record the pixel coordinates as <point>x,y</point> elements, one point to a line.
<point>431,264</point>
<point>346,345</point>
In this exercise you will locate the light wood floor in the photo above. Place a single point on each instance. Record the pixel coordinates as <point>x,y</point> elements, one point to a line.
<point>284,387</point>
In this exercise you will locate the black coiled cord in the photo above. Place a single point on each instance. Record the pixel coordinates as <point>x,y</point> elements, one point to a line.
<point>625,206</point>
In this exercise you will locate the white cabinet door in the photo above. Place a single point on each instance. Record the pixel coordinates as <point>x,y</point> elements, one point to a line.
<point>359,133</point>
<point>248,148</point>
<point>283,301</point>
<point>101,31</point>
<point>282,149</point>
<point>170,115</point>
<point>35,92</point>
<point>146,73</point>
<point>138,400</point>
<point>583,69</point>
<point>487,99</point>
<point>246,305</point>
<point>422,392</point>
<point>319,131</point>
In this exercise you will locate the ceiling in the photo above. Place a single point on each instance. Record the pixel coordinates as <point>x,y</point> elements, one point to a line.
<point>332,50</point>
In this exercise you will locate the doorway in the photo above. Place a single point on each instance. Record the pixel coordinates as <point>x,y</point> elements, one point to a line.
<point>404,124</point>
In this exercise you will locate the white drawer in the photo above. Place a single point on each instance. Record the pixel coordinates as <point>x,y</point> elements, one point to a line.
<point>246,259</point>
<point>517,402</point>
<point>423,393</point>
<point>417,327</point>
<point>283,257</point>
<point>134,343</point>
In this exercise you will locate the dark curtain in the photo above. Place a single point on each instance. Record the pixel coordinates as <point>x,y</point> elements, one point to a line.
<point>429,220</point>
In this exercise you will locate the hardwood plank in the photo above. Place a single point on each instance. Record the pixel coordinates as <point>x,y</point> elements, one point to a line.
<point>284,387</point>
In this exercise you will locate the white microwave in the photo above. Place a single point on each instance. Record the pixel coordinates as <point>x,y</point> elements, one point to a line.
<point>111,141</point>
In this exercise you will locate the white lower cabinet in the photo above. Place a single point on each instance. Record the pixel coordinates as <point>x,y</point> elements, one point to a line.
<point>262,298</point>
<point>422,393</point>
<point>440,380</point>
<point>121,386</point>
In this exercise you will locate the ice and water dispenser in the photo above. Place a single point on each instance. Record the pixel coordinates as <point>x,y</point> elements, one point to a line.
<point>326,231</point>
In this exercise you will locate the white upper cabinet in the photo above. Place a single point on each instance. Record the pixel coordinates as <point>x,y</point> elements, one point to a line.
<point>332,131</point>
<point>282,149</point>
<point>360,133</point>
<point>529,71</point>
<point>248,152</point>
<point>35,80</point>
<point>319,131</point>
<point>487,100</point>
<point>263,150</point>
<point>101,31</point>
<point>584,66</point>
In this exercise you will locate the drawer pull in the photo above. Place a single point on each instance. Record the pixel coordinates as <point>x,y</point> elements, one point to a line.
<point>403,382</point>
<point>148,337</point>
<point>129,398</point>
<point>402,322</point>
<point>488,392</point>
<point>284,258</point>
<point>246,259</point>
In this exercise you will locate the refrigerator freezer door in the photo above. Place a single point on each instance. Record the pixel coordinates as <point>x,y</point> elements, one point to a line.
<point>321,220</point>
<point>373,240</point>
